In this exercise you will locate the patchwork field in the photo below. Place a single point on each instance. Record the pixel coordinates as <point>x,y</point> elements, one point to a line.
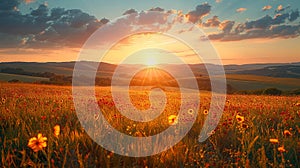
<point>254,131</point>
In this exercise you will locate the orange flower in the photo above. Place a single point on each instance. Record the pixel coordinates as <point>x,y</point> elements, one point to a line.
<point>287,133</point>
<point>56,130</point>
<point>173,119</point>
<point>297,104</point>
<point>240,118</point>
<point>281,149</point>
<point>274,141</point>
<point>205,112</point>
<point>38,143</point>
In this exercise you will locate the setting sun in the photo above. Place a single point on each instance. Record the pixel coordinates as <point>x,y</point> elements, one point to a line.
<point>150,62</point>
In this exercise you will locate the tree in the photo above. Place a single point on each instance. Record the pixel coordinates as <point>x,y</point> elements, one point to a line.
<point>272,91</point>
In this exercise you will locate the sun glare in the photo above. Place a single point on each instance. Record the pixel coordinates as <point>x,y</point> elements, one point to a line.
<point>150,62</point>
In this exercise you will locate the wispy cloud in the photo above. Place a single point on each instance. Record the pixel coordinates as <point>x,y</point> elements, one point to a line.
<point>239,10</point>
<point>267,7</point>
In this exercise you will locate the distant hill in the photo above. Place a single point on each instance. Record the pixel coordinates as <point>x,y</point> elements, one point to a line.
<point>285,71</point>
<point>239,77</point>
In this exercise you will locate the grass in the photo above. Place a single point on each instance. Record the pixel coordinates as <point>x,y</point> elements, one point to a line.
<point>27,109</point>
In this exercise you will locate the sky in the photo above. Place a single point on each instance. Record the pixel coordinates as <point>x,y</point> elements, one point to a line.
<point>241,32</point>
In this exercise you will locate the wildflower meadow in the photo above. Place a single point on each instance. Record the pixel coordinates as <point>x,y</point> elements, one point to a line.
<point>39,128</point>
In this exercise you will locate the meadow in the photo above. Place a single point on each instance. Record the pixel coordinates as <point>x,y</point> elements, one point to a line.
<point>254,131</point>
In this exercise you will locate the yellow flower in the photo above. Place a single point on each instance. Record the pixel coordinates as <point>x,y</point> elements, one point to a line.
<point>274,141</point>
<point>240,118</point>
<point>281,149</point>
<point>56,130</point>
<point>38,143</point>
<point>205,112</point>
<point>173,119</point>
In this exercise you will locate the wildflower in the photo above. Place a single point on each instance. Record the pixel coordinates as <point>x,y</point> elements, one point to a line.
<point>56,130</point>
<point>173,119</point>
<point>281,149</point>
<point>38,143</point>
<point>274,141</point>
<point>191,111</point>
<point>287,133</point>
<point>245,126</point>
<point>297,104</point>
<point>240,118</point>
<point>3,100</point>
<point>205,112</point>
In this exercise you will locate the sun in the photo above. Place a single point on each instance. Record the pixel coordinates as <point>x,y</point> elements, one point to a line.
<point>150,62</point>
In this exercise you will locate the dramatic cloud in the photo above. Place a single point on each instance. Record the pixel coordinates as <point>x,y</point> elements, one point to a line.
<point>200,11</point>
<point>239,10</point>
<point>44,27</point>
<point>268,7</point>
<point>265,27</point>
<point>213,22</point>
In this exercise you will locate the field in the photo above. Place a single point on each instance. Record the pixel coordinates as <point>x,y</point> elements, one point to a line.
<point>253,82</point>
<point>254,131</point>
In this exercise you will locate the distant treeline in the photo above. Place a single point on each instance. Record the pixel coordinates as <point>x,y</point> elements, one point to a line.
<point>269,91</point>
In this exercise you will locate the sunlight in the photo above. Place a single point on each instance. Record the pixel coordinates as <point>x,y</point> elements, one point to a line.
<point>150,62</point>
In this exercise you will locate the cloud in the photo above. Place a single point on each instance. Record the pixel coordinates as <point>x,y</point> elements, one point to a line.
<point>200,11</point>
<point>239,10</point>
<point>157,9</point>
<point>8,5</point>
<point>29,1</point>
<point>129,11</point>
<point>226,26</point>
<point>43,27</point>
<point>213,22</point>
<point>42,10</point>
<point>218,1</point>
<point>280,8</point>
<point>294,15</point>
<point>267,7</point>
<point>278,26</point>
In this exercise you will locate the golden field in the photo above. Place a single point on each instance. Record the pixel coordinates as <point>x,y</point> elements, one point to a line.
<point>254,131</point>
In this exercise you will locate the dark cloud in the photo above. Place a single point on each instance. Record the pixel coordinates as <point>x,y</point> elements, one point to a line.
<point>8,5</point>
<point>200,11</point>
<point>41,11</point>
<point>213,22</point>
<point>226,26</point>
<point>44,27</point>
<point>157,9</point>
<point>294,15</point>
<point>265,27</point>
<point>129,11</point>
